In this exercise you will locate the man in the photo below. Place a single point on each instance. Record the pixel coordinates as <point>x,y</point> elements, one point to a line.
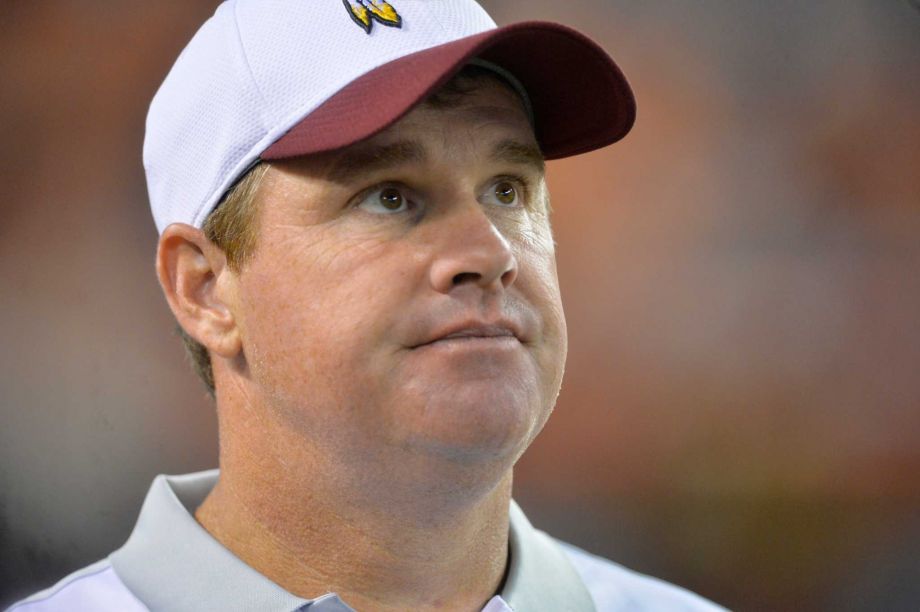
<point>355,242</point>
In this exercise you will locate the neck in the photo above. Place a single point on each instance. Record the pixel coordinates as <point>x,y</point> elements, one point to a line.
<point>290,513</point>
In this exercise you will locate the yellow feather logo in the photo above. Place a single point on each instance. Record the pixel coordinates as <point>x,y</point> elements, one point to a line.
<point>365,12</point>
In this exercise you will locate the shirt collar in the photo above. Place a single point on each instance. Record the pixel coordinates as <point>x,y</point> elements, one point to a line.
<point>170,562</point>
<point>540,576</point>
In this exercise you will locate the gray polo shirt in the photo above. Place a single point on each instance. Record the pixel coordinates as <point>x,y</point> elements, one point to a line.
<point>171,563</point>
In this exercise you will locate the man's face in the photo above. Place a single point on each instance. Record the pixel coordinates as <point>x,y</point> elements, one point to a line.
<point>403,299</point>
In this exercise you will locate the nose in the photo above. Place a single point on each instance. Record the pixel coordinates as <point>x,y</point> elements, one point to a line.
<point>472,251</point>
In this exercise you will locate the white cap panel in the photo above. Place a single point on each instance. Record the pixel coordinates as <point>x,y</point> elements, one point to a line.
<point>253,71</point>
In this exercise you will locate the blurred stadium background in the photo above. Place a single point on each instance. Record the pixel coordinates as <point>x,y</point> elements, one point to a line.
<point>741,412</point>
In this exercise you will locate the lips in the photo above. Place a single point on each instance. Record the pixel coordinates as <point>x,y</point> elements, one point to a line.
<point>471,330</point>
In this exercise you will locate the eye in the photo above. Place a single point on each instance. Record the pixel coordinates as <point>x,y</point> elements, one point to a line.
<point>384,201</point>
<point>506,193</point>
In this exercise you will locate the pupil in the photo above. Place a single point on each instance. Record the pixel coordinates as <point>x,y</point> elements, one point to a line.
<point>391,199</point>
<point>505,193</point>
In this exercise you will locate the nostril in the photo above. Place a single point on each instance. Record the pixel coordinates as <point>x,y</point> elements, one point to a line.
<point>466,277</point>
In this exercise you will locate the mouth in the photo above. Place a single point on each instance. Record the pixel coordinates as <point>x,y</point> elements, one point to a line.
<point>475,333</point>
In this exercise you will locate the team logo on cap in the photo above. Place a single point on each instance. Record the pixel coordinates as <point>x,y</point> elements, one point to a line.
<point>365,12</point>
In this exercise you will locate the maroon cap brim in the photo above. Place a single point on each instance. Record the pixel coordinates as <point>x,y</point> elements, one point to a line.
<point>581,101</point>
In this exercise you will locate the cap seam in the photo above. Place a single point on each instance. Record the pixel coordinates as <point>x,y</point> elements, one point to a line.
<point>239,39</point>
<point>437,18</point>
<point>214,195</point>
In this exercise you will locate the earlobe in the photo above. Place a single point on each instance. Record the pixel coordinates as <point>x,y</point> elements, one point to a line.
<point>188,267</point>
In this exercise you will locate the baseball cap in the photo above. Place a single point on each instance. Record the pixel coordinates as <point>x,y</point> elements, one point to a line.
<point>273,79</point>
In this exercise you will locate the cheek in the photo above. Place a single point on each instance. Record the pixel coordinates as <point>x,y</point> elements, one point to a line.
<point>539,279</point>
<point>310,312</point>
<point>539,284</point>
<point>554,347</point>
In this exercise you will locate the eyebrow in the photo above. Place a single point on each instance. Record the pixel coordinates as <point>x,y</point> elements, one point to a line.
<point>368,159</point>
<point>518,153</point>
<point>365,160</point>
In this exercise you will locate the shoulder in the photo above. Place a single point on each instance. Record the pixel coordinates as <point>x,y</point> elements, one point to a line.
<point>95,587</point>
<point>615,588</point>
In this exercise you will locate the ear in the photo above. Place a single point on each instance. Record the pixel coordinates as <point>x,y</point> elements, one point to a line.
<point>189,267</point>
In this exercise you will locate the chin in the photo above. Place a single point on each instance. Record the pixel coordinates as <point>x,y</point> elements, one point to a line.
<point>472,427</point>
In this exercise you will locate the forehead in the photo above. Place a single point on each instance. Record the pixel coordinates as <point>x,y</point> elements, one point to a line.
<point>481,99</point>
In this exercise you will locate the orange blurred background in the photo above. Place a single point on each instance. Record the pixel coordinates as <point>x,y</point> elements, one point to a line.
<point>741,407</point>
